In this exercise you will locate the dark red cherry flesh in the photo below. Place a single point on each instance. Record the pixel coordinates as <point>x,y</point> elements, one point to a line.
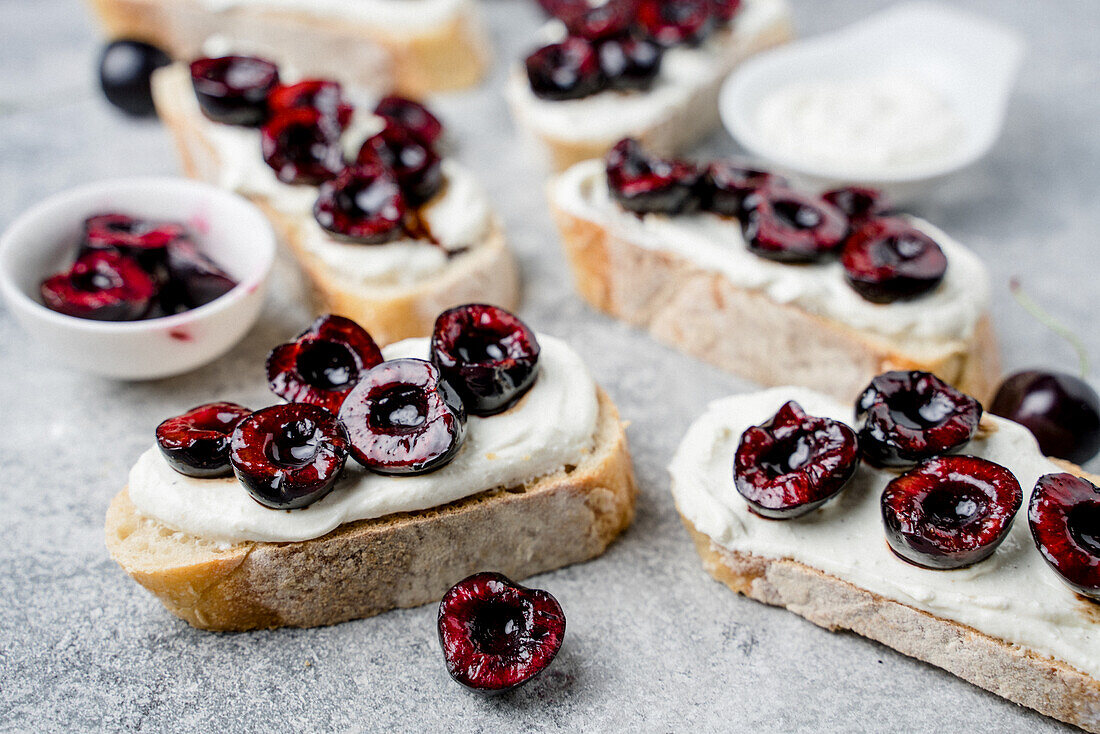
<point>647,184</point>
<point>234,89</point>
<point>497,635</point>
<point>103,286</point>
<point>784,225</point>
<point>794,463</point>
<point>327,97</point>
<point>146,241</point>
<point>629,63</point>
<point>675,22</point>
<point>1064,515</point>
<point>288,456</point>
<point>196,443</point>
<point>302,146</point>
<point>566,70</point>
<point>950,512</point>
<point>414,117</point>
<point>487,355</point>
<point>323,364</point>
<point>403,418</point>
<point>858,203</point>
<point>126,72</point>
<point>725,10</point>
<point>727,182</point>
<point>418,168</point>
<point>1060,409</point>
<point>363,204</point>
<point>600,22</point>
<point>906,417</point>
<point>887,260</point>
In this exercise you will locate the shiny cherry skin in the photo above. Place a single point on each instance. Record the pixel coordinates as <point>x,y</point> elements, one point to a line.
<point>1064,516</point>
<point>234,89</point>
<point>193,279</point>
<point>327,97</point>
<point>566,70</point>
<point>727,182</point>
<point>417,167</point>
<point>102,286</point>
<point>859,203</point>
<point>601,22</point>
<point>677,22</point>
<point>126,72</point>
<point>415,118</point>
<point>646,184</point>
<point>196,443</point>
<point>630,64</point>
<point>725,10</point>
<point>784,225</point>
<point>1060,409</point>
<point>302,146</point>
<point>887,259</point>
<point>363,204</point>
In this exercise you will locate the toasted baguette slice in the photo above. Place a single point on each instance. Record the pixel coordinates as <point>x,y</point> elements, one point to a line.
<point>744,331</point>
<point>452,54</point>
<point>485,273</point>
<point>402,560</point>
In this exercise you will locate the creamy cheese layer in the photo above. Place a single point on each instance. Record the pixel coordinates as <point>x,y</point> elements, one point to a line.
<point>552,426</point>
<point>1013,595</point>
<point>408,16</point>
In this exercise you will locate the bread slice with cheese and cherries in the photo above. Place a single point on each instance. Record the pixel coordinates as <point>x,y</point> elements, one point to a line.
<point>457,254</point>
<point>413,47</point>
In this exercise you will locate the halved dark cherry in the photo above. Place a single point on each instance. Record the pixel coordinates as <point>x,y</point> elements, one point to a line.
<point>323,364</point>
<point>234,89</point>
<point>950,512</point>
<point>561,8</point>
<point>104,286</point>
<point>906,417</point>
<point>497,635</point>
<point>414,117</point>
<point>784,225</point>
<point>646,184</point>
<point>288,456</point>
<point>887,260</point>
<point>858,203</point>
<point>419,170</point>
<point>363,204</point>
<point>794,463</point>
<point>566,70</point>
<point>142,239</point>
<point>1064,515</point>
<point>403,418</point>
<point>727,182</point>
<point>193,279</point>
<point>676,22</point>
<point>327,97</point>
<point>302,146</point>
<point>725,10</point>
<point>600,22</point>
<point>630,63</point>
<point>487,355</point>
<point>196,443</point>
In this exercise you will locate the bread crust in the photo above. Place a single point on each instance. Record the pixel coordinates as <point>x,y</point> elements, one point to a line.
<point>702,313</point>
<point>486,273</point>
<point>402,560</point>
<point>452,56</point>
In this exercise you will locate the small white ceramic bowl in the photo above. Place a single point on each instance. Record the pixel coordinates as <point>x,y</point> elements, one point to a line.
<point>227,227</point>
<point>970,62</point>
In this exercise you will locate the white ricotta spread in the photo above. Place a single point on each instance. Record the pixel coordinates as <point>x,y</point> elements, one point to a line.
<point>715,243</point>
<point>611,115</point>
<point>552,426</point>
<point>871,126</point>
<point>1013,595</point>
<point>407,16</point>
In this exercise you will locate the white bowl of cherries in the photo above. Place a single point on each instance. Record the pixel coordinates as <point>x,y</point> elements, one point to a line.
<point>137,278</point>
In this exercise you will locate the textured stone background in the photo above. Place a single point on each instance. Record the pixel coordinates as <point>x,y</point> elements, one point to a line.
<point>653,643</point>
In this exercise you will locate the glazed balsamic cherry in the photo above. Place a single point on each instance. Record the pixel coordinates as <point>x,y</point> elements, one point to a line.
<point>858,203</point>
<point>950,512</point>
<point>323,364</point>
<point>414,117</point>
<point>143,240</point>
<point>288,456</point>
<point>794,463</point>
<point>781,224</point>
<point>600,22</point>
<point>630,63</point>
<point>566,70</point>
<point>403,418</point>
<point>193,279</point>
<point>125,74</point>
<point>496,634</point>
<point>887,260</point>
<point>1064,515</point>
<point>196,443</point>
<point>646,184</point>
<point>302,146</point>
<point>675,22</point>
<point>1060,409</point>
<point>327,97</point>
<point>234,89</point>
<point>907,417</point>
<point>726,183</point>
<point>487,355</point>
<point>103,286</point>
<point>418,168</point>
<point>363,204</point>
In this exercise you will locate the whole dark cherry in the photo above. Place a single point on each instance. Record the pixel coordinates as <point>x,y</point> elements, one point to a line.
<point>403,418</point>
<point>784,225</point>
<point>1060,409</point>
<point>858,203</point>
<point>676,22</point>
<point>302,146</point>
<point>906,417</point>
<point>125,75</point>
<point>486,354</point>
<point>794,463</point>
<point>950,511</point>
<point>727,182</point>
<point>1064,515</point>
<point>600,22</point>
<point>288,456</point>
<point>327,97</point>
<point>497,635</point>
<point>630,63</point>
<point>887,260</point>
<point>323,364</point>
<point>414,117</point>
<point>363,204</point>
<point>103,286</point>
<point>234,89</point>
<point>646,184</point>
<point>725,10</point>
<point>566,70</point>
<point>418,168</point>
<point>196,443</point>
<point>193,279</point>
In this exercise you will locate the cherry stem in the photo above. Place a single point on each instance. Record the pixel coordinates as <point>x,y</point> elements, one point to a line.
<point>1043,316</point>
